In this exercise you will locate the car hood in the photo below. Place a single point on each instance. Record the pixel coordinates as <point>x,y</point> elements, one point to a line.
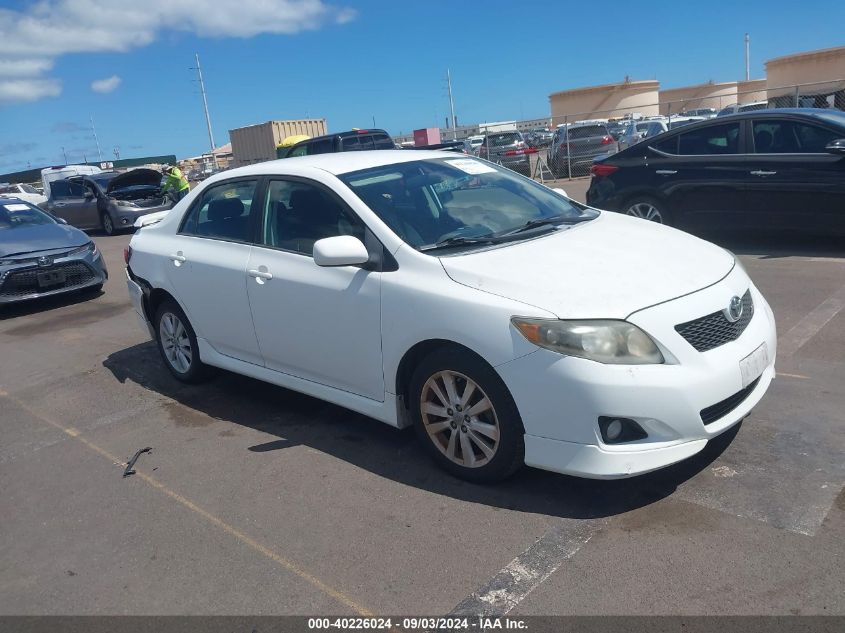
<point>41,237</point>
<point>135,177</point>
<point>606,268</point>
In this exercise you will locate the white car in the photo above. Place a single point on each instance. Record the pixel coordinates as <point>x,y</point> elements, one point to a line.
<point>504,321</point>
<point>24,192</point>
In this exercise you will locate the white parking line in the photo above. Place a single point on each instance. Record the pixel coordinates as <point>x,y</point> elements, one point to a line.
<point>811,323</point>
<point>508,587</point>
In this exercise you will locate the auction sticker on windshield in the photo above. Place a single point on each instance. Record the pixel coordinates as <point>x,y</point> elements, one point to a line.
<point>470,166</point>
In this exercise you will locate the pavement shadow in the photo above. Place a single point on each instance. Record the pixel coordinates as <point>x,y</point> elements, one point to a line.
<point>45,304</point>
<point>777,245</point>
<point>298,419</point>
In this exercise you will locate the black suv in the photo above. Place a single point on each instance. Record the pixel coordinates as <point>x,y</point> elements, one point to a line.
<point>351,141</point>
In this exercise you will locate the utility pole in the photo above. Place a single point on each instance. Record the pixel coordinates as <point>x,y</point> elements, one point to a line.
<point>451,103</point>
<point>65,153</point>
<point>116,152</point>
<point>96,140</point>
<point>205,107</point>
<point>747,57</point>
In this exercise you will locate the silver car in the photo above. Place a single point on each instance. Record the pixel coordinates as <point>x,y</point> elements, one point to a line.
<point>40,255</point>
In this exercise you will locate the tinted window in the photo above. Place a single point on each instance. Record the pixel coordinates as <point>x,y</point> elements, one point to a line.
<point>298,214</point>
<point>669,146</point>
<point>11,190</point>
<point>222,212</point>
<point>499,140</point>
<point>366,141</point>
<point>352,143</point>
<point>66,189</point>
<point>587,131</point>
<point>28,189</point>
<point>383,141</point>
<point>717,139</point>
<point>299,150</point>
<point>790,137</point>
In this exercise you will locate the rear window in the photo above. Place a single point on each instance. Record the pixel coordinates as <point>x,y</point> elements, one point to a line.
<point>499,140</point>
<point>383,141</point>
<point>716,139</point>
<point>587,131</point>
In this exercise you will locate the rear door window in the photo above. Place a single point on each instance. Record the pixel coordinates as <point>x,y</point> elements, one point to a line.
<point>716,139</point>
<point>222,212</point>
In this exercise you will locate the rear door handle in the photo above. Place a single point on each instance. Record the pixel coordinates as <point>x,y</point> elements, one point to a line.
<point>178,258</point>
<point>260,274</point>
<point>763,173</point>
<point>666,172</point>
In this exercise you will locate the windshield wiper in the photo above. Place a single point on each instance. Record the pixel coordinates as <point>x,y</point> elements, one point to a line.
<point>459,240</point>
<point>556,219</point>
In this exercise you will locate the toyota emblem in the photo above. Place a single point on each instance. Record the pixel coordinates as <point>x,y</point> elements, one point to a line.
<point>734,310</point>
<point>44,261</point>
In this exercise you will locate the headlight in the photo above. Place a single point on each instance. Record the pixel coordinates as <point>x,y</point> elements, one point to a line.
<point>126,203</point>
<point>90,247</point>
<point>613,342</point>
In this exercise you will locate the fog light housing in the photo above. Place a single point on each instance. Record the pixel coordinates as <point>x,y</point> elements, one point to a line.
<point>619,430</point>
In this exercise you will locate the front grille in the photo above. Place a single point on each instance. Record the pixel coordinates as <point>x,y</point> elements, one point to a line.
<point>713,330</point>
<point>21,283</point>
<point>720,409</point>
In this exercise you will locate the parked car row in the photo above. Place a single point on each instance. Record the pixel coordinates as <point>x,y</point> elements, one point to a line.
<point>762,170</point>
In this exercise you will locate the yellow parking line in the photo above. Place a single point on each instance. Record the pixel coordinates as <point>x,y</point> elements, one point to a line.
<point>800,376</point>
<point>205,514</point>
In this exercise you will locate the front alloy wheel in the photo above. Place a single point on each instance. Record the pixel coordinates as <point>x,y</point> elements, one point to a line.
<point>460,419</point>
<point>108,224</point>
<point>465,416</point>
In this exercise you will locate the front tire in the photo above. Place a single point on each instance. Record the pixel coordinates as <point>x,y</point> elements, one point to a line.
<point>466,417</point>
<point>649,209</point>
<point>108,224</point>
<point>177,344</point>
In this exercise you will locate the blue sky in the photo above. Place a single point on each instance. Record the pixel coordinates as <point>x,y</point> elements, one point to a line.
<point>350,61</point>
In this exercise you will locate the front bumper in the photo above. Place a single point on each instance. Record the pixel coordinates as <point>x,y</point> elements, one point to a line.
<point>124,217</point>
<point>561,398</point>
<point>20,282</point>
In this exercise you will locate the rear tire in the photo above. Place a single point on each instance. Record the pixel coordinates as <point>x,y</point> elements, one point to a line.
<point>647,208</point>
<point>466,417</point>
<point>177,344</point>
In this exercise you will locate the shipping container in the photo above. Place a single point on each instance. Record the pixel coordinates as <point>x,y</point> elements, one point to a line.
<point>257,143</point>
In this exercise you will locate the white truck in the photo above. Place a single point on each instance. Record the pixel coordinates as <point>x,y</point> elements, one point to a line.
<point>51,174</point>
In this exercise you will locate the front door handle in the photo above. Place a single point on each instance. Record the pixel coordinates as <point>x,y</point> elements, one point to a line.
<point>178,259</point>
<point>763,173</point>
<point>666,172</point>
<point>260,274</point>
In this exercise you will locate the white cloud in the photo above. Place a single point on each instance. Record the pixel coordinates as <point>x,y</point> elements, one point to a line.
<point>15,90</point>
<point>32,38</point>
<point>107,85</point>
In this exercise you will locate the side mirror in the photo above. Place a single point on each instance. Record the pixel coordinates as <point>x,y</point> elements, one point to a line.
<point>560,192</point>
<point>836,147</point>
<point>61,220</point>
<point>343,250</point>
<point>89,195</point>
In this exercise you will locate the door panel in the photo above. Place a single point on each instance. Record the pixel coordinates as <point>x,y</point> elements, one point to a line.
<point>318,323</point>
<point>207,263</point>
<point>792,184</point>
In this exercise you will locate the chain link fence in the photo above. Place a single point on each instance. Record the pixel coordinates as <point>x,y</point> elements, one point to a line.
<point>565,146</point>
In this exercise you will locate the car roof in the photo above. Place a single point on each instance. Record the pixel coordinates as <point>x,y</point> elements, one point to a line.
<point>766,112</point>
<point>338,163</point>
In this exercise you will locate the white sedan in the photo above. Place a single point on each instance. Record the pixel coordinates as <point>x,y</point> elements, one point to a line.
<point>509,324</point>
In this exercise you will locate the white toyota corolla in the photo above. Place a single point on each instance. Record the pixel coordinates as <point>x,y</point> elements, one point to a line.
<point>506,322</point>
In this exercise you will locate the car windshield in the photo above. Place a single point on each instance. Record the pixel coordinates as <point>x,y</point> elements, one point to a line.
<point>28,189</point>
<point>17,215</point>
<point>438,203</point>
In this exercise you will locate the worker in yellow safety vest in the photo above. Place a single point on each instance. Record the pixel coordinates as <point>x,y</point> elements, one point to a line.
<point>175,181</point>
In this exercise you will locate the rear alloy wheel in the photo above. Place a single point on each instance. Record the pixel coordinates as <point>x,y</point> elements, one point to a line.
<point>177,344</point>
<point>648,209</point>
<point>108,224</point>
<point>466,417</point>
